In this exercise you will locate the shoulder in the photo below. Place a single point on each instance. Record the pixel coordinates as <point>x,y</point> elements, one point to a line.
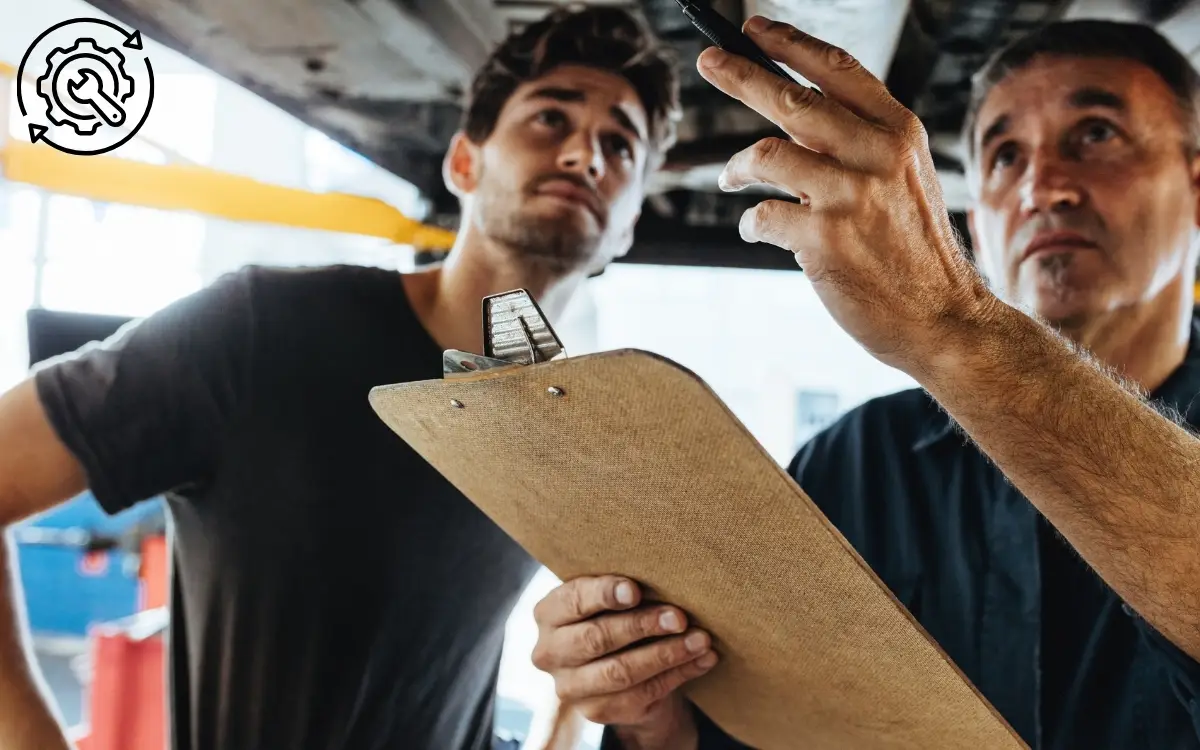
<point>893,422</point>
<point>338,281</point>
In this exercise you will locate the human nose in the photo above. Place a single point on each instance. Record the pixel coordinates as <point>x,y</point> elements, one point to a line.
<point>581,154</point>
<point>1050,184</point>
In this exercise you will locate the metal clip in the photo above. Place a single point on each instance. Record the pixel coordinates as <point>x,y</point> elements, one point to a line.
<point>515,332</point>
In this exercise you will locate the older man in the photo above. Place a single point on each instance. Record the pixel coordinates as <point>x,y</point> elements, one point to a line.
<point>1075,607</point>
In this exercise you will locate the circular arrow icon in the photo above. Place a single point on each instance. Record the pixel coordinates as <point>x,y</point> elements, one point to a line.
<point>96,80</point>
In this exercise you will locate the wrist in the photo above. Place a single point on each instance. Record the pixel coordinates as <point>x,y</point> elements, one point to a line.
<point>964,340</point>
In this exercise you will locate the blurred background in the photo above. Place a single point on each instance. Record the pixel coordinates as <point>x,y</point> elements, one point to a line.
<point>360,97</point>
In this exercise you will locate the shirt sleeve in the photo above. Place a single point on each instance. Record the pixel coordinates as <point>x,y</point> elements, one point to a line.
<point>145,411</point>
<point>1182,670</point>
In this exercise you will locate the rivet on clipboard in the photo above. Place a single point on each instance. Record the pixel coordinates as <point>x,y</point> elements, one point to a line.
<point>515,332</point>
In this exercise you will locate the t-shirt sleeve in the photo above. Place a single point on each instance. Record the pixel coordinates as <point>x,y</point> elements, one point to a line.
<point>145,411</point>
<point>1182,670</point>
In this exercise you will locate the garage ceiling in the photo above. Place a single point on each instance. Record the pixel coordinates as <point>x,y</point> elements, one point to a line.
<point>384,77</point>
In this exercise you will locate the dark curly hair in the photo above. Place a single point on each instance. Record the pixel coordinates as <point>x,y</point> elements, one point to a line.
<point>606,38</point>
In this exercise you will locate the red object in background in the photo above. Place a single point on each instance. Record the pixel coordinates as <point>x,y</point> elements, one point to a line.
<point>154,573</point>
<point>93,564</point>
<point>127,708</point>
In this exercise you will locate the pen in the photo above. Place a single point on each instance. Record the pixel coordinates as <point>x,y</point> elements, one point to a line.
<point>728,37</point>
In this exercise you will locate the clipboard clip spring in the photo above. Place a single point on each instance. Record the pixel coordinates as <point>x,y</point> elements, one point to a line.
<point>515,333</point>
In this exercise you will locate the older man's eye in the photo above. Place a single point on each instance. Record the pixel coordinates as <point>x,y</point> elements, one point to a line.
<point>1004,156</point>
<point>1097,131</point>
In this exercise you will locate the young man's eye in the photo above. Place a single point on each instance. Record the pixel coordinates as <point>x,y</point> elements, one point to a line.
<point>620,146</point>
<point>551,118</point>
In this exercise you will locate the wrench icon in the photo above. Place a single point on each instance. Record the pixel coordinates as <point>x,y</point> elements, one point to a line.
<point>89,91</point>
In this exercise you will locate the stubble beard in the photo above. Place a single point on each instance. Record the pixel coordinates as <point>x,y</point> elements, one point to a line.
<point>539,243</point>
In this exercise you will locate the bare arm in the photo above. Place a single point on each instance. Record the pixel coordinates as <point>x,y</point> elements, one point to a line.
<point>1117,479</point>
<point>36,473</point>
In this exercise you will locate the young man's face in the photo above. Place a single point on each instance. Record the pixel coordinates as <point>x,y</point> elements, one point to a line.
<point>560,179</point>
<point>1086,198</point>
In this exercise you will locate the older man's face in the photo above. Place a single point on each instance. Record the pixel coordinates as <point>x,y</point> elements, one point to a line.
<point>1086,199</point>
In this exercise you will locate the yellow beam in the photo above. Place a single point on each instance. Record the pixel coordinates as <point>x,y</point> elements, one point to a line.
<point>7,71</point>
<point>182,187</point>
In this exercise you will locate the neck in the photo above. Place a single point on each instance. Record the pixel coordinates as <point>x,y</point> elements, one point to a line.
<point>1143,343</point>
<point>448,299</point>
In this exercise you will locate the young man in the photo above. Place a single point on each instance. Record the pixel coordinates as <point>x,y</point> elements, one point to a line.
<point>330,589</point>
<point>1074,608</point>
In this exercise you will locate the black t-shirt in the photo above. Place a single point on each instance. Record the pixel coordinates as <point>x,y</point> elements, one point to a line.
<point>330,591</point>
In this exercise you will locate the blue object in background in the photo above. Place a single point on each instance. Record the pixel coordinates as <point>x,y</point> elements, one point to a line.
<point>63,595</point>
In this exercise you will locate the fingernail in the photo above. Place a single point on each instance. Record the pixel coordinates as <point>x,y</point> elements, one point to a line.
<point>757,24</point>
<point>625,593</point>
<point>669,621</point>
<point>707,661</point>
<point>746,227</point>
<point>695,642</point>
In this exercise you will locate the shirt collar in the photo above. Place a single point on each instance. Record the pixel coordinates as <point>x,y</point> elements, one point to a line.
<point>1178,392</point>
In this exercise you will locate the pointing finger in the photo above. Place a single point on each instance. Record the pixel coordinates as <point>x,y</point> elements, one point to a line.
<point>813,121</point>
<point>839,75</point>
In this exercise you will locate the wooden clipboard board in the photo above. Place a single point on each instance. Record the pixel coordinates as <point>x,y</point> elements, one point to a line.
<point>626,463</point>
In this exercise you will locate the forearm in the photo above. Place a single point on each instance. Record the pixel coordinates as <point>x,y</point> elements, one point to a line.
<point>26,721</point>
<point>1118,480</point>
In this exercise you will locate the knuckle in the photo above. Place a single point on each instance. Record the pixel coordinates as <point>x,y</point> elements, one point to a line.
<point>575,602</point>
<point>541,610</point>
<point>596,641</point>
<point>654,689</point>
<point>912,127</point>
<point>599,713</point>
<point>855,187</point>
<point>766,149</point>
<point>540,657</point>
<point>839,59</point>
<point>563,690</point>
<point>669,655</point>
<point>796,99</point>
<point>617,674</point>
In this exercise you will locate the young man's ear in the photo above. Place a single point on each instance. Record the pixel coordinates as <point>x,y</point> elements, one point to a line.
<point>460,168</point>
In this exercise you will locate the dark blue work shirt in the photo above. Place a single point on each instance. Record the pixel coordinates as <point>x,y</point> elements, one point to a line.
<point>1053,648</point>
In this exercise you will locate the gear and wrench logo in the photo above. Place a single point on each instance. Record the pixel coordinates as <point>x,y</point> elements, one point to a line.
<point>93,83</point>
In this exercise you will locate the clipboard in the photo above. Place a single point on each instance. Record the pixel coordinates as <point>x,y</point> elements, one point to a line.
<point>626,463</point>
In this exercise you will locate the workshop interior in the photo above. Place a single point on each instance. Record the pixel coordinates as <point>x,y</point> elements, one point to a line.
<point>309,132</point>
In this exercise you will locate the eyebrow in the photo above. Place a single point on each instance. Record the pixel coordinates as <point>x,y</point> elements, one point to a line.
<point>562,94</point>
<point>1096,97</point>
<point>1084,98</point>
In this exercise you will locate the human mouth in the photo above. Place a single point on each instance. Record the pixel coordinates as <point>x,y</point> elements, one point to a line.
<point>1056,242</point>
<point>571,193</point>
